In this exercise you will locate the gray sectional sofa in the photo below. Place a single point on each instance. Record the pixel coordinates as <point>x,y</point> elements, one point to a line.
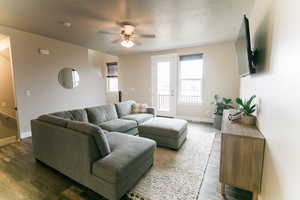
<point>96,146</point>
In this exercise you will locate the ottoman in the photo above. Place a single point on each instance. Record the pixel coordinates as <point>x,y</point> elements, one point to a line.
<point>167,132</point>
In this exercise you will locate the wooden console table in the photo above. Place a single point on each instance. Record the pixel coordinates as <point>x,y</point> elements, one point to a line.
<point>242,153</point>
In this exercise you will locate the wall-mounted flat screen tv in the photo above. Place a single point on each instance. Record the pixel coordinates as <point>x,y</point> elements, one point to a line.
<point>243,49</point>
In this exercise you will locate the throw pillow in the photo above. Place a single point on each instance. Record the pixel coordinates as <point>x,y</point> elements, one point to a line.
<point>139,108</point>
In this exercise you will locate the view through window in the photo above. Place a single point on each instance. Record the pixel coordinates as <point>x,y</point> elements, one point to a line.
<point>163,86</point>
<point>112,84</point>
<point>190,79</point>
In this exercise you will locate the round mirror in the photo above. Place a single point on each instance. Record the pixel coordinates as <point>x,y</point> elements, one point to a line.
<point>68,78</point>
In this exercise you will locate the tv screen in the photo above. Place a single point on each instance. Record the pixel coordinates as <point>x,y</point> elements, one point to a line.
<point>243,50</point>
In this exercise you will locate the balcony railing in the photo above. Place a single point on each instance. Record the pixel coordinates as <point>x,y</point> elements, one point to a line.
<point>164,101</point>
<point>189,99</point>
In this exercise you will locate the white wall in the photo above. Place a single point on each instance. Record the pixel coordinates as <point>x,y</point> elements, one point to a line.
<point>220,76</point>
<point>39,75</point>
<point>275,31</point>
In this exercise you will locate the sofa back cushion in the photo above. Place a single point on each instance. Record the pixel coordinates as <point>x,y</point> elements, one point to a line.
<point>80,115</point>
<point>98,115</point>
<point>124,108</point>
<point>95,131</point>
<point>55,120</point>
<point>76,115</point>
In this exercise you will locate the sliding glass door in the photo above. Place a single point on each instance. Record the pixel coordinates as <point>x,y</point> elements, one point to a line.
<point>176,82</point>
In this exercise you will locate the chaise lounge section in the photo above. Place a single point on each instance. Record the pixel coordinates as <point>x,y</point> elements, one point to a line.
<point>95,147</point>
<point>98,147</point>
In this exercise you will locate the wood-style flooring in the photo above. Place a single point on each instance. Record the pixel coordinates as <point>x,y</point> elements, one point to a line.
<point>22,178</point>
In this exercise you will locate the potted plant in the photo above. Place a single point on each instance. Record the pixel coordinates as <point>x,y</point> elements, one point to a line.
<point>221,105</point>
<point>248,108</point>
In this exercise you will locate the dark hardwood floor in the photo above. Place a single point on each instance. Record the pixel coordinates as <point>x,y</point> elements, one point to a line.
<point>22,178</point>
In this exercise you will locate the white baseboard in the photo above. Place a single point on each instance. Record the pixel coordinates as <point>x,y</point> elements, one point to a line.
<point>25,135</point>
<point>8,140</point>
<point>195,119</point>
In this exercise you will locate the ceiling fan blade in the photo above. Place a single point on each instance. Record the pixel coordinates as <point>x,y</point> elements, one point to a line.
<point>116,41</point>
<point>123,23</point>
<point>145,35</point>
<point>107,33</point>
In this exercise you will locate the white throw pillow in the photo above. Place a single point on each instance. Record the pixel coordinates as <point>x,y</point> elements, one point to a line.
<point>139,108</point>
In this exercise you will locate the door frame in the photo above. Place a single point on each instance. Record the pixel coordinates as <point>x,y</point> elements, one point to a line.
<point>173,58</point>
<point>18,136</point>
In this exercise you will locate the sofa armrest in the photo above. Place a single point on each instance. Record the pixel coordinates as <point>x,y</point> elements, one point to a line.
<point>151,110</point>
<point>68,151</point>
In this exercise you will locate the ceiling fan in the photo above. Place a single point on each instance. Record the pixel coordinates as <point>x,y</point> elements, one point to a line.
<point>128,34</point>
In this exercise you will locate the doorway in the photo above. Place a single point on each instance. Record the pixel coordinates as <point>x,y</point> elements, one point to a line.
<point>177,85</point>
<point>8,111</point>
<point>164,73</point>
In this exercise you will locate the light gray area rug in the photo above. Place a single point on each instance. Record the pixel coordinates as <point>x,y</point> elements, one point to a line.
<point>177,175</point>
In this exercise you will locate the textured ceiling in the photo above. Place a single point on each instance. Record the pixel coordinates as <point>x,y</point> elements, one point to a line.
<point>176,23</point>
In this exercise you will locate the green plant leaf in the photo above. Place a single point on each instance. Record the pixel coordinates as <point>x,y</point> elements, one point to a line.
<point>216,97</point>
<point>250,101</point>
<point>253,107</point>
<point>239,101</point>
<point>227,100</point>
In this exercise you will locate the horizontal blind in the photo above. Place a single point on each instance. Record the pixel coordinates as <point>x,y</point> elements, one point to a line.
<point>112,69</point>
<point>191,57</point>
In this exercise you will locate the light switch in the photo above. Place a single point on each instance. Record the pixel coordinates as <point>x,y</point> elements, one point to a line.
<point>28,93</point>
<point>44,51</point>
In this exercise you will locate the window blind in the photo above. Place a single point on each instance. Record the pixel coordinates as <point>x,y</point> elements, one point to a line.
<point>191,57</point>
<point>112,70</point>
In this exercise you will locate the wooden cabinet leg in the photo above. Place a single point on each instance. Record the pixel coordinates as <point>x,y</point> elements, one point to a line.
<point>254,195</point>
<point>222,189</point>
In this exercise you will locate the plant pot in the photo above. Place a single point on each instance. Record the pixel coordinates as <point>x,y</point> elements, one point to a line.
<point>218,122</point>
<point>248,119</point>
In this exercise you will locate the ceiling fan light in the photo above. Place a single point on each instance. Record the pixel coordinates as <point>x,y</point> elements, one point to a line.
<point>127,44</point>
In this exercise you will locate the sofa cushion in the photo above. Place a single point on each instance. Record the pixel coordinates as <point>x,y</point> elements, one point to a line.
<point>63,114</point>
<point>119,125</point>
<point>55,120</point>
<point>76,115</point>
<point>139,118</point>
<point>95,131</point>
<point>79,115</point>
<point>124,108</point>
<point>100,114</point>
<point>129,153</point>
<point>151,110</point>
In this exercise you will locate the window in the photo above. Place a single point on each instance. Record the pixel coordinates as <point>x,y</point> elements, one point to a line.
<point>112,84</point>
<point>190,79</point>
<point>112,77</point>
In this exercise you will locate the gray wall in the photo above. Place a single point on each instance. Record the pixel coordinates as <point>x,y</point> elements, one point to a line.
<point>39,75</point>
